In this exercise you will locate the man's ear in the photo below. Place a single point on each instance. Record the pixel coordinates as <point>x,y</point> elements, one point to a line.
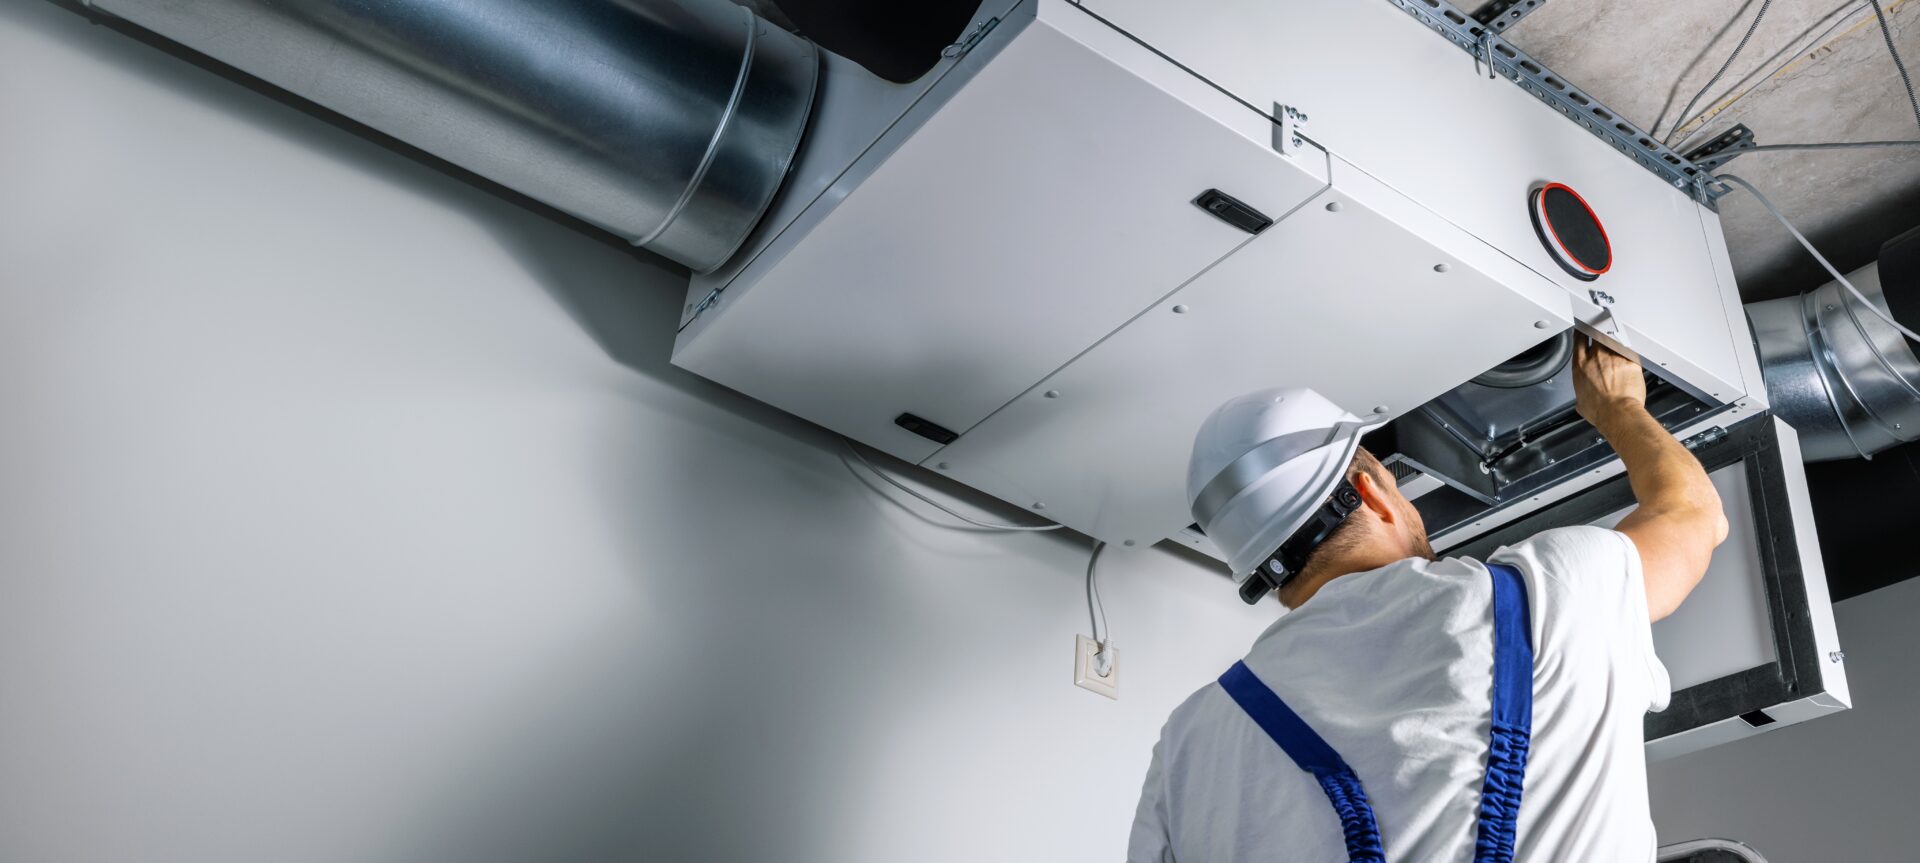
<point>1373,497</point>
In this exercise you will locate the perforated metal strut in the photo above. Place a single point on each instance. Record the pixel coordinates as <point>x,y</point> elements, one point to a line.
<point>1485,43</point>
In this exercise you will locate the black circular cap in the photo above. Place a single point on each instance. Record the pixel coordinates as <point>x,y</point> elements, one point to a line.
<point>1570,231</point>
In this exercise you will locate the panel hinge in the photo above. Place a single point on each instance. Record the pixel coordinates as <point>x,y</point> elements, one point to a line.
<point>970,38</point>
<point>709,301</point>
<point>1706,438</point>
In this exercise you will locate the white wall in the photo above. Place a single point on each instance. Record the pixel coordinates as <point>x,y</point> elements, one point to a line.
<point>1841,788</point>
<point>352,513</point>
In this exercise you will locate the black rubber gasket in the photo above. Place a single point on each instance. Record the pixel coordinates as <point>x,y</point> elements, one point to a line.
<point>1570,231</point>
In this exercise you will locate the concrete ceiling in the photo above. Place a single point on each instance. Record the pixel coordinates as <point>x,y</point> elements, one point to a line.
<point>1644,58</point>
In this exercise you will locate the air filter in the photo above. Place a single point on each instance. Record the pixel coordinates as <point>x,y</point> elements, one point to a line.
<point>1570,231</point>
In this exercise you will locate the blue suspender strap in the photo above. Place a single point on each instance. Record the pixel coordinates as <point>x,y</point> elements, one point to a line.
<point>1313,755</point>
<point>1512,716</point>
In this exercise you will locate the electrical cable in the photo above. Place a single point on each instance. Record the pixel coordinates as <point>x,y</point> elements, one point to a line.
<point>1817,256</point>
<point>1098,626</point>
<point>936,504</point>
<point>1757,17</point>
<point>1887,33</point>
<point>1791,52</point>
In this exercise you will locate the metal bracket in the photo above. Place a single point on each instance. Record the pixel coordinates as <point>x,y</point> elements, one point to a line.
<point>1484,41</point>
<point>972,37</point>
<point>1498,15</point>
<point>1722,149</point>
<point>1613,327</point>
<point>1287,139</point>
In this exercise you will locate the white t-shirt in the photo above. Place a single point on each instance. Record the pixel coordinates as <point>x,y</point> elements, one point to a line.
<point>1394,669</point>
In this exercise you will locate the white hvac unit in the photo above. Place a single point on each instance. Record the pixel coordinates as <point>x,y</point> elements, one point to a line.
<point>1038,268</point>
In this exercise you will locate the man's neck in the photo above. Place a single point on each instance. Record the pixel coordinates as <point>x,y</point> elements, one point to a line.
<point>1320,572</point>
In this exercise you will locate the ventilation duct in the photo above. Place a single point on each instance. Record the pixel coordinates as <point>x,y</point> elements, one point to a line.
<point>1842,377</point>
<point>668,122</point>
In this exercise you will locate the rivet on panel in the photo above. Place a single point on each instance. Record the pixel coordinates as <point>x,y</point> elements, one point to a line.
<point>1039,505</point>
<point>1180,309</point>
<point>1052,394</point>
<point>1379,409</point>
<point>1541,325</point>
<point>1441,268</point>
<point>1127,542</point>
<point>942,466</point>
<point>1333,206</point>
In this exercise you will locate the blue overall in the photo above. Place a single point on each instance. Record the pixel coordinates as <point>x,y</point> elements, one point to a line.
<point>1506,758</point>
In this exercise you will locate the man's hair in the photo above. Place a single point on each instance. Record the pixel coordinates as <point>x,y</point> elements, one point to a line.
<point>1347,535</point>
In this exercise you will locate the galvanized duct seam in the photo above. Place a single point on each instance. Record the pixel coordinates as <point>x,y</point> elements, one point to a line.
<point>1847,380</point>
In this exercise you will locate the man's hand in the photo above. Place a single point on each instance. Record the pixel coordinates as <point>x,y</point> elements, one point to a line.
<point>1679,520</point>
<point>1605,382</point>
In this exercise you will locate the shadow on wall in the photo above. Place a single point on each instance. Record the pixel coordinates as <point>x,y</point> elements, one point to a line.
<point>692,727</point>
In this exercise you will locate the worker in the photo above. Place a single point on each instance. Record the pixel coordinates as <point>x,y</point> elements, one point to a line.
<point>1450,709</point>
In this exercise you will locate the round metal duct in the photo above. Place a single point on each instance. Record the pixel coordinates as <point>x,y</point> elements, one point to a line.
<point>1848,383</point>
<point>668,122</point>
<point>1531,366</point>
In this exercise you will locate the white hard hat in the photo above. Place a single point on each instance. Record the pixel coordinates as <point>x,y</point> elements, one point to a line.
<point>1264,465</point>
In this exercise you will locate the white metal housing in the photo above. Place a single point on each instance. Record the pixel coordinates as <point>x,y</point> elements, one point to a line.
<point>1010,249</point>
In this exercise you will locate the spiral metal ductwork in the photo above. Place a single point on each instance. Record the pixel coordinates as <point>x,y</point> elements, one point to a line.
<point>1846,381</point>
<point>668,122</point>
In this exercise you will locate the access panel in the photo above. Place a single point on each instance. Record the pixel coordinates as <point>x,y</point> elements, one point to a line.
<point>1754,648</point>
<point>1387,93</point>
<point>1043,192</point>
<point>1363,295</point>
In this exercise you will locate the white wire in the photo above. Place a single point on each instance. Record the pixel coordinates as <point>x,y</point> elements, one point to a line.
<point>936,504</point>
<point>1819,257</point>
<point>1099,626</point>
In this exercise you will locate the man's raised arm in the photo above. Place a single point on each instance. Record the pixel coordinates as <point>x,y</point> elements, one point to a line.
<point>1679,521</point>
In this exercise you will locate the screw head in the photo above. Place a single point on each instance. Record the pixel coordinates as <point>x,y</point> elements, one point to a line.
<point>1837,656</point>
<point>1052,394</point>
<point>1180,309</point>
<point>1274,567</point>
<point>1441,268</point>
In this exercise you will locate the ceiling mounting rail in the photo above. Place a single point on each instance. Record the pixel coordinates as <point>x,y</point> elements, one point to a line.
<point>1501,14</point>
<point>1721,150</point>
<point>1485,44</point>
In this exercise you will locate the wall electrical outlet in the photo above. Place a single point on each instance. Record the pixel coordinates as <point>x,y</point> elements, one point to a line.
<point>1086,670</point>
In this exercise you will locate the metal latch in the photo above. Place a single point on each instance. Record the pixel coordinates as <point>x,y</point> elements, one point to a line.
<point>970,38</point>
<point>1706,438</point>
